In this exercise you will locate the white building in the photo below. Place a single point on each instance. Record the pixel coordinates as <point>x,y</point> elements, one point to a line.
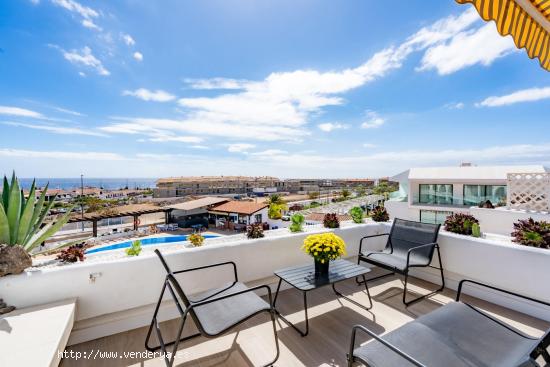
<point>431,194</point>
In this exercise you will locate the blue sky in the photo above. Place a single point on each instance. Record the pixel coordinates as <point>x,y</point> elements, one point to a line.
<point>283,88</point>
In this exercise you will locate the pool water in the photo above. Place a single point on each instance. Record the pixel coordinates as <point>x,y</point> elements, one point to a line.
<point>145,242</point>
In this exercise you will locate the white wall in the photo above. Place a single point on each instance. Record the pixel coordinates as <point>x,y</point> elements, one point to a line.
<point>501,220</point>
<point>124,291</point>
<point>401,209</point>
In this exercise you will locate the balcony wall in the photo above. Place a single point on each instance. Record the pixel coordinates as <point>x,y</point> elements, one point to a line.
<point>123,293</point>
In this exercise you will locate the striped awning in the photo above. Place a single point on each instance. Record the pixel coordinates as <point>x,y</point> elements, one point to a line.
<point>528,21</point>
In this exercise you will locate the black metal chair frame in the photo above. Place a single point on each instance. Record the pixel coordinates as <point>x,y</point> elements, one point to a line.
<point>405,273</point>
<point>540,350</point>
<point>188,308</point>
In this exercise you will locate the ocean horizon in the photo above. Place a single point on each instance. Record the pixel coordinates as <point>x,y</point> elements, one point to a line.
<point>105,183</point>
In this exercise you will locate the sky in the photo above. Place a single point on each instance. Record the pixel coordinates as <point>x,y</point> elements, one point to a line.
<point>283,88</point>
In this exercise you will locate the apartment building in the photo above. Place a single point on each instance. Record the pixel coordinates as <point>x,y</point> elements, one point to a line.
<point>430,194</point>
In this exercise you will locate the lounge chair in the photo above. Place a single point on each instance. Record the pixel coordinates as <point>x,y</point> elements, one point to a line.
<point>454,335</point>
<point>410,245</point>
<point>214,312</point>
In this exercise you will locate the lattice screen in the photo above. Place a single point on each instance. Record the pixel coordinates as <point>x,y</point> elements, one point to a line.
<point>529,191</point>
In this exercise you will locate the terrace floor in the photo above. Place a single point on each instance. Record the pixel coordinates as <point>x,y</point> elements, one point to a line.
<point>331,320</point>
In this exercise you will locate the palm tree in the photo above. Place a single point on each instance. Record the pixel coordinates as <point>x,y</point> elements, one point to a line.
<point>345,193</point>
<point>276,206</point>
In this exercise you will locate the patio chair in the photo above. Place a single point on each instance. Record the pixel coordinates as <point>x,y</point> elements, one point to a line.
<point>454,335</point>
<point>410,245</point>
<point>213,312</point>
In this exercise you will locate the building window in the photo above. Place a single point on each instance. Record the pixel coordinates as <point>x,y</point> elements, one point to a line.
<point>434,216</point>
<point>476,194</point>
<point>258,218</point>
<point>436,194</point>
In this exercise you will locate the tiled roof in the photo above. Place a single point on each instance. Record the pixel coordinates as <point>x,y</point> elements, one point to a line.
<point>240,207</point>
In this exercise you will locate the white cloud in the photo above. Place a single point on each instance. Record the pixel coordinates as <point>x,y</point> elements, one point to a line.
<point>524,95</point>
<point>372,121</point>
<point>270,153</point>
<point>128,40</point>
<point>455,105</point>
<point>239,147</point>
<point>35,2</point>
<point>84,57</point>
<point>478,46</point>
<point>369,145</point>
<point>280,106</point>
<point>148,95</point>
<point>20,112</point>
<point>330,126</point>
<point>67,111</point>
<point>90,24</point>
<point>181,139</point>
<point>92,156</point>
<point>75,7</point>
<point>138,56</point>
<point>55,129</point>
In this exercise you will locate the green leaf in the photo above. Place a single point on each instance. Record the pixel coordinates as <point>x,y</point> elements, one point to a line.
<point>48,231</point>
<point>14,210</point>
<point>37,211</point>
<point>4,226</point>
<point>6,193</point>
<point>26,217</point>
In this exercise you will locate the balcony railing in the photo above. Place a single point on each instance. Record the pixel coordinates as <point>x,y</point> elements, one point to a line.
<point>446,200</point>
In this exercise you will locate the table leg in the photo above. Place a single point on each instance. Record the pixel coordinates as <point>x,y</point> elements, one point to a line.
<point>302,333</point>
<point>352,301</point>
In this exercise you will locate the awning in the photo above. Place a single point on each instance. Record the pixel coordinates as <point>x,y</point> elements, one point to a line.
<point>528,21</point>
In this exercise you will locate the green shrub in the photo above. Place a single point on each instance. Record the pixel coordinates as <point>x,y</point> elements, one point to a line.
<point>196,239</point>
<point>357,214</point>
<point>331,221</point>
<point>460,223</point>
<point>476,230</point>
<point>379,214</point>
<point>135,249</point>
<point>297,223</point>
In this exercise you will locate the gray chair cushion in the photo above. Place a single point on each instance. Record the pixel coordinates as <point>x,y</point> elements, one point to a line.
<point>396,261</point>
<point>221,315</point>
<point>453,335</point>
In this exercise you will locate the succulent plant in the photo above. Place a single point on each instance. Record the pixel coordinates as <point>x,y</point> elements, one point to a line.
<point>460,223</point>
<point>134,249</point>
<point>255,230</point>
<point>380,214</point>
<point>196,239</point>
<point>357,214</point>
<point>21,218</point>
<point>331,221</point>
<point>297,223</point>
<point>72,254</point>
<point>476,230</point>
<point>533,233</point>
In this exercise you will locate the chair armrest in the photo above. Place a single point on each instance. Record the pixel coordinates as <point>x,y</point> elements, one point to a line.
<point>211,266</point>
<point>210,300</point>
<point>412,249</point>
<point>383,342</point>
<point>371,236</point>
<point>459,291</point>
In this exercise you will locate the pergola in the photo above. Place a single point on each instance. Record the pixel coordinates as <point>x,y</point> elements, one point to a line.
<point>133,211</point>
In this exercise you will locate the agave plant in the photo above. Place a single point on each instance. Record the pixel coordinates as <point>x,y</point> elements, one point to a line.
<point>21,218</point>
<point>297,222</point>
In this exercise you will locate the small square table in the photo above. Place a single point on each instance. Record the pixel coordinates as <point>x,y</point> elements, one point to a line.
<point>303,279</point>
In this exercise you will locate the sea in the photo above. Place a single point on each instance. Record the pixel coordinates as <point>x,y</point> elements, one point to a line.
<point>105,183</point>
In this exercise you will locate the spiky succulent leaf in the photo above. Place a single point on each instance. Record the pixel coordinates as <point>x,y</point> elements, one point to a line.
<point>26,216</point>
<point>14,210</point>
<point>4,226</point>
<point>49,230</point>
<point>6,193</point>
<point>35,224</point>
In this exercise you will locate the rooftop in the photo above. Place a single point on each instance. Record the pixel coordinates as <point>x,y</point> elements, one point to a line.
<point>213,178</point>
<point>471,172</point>
<point>240,207</point>
<point>198,203</point>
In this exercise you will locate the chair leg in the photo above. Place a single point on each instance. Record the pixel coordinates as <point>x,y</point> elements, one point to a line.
<point>407,304</point>
<point>273,321</point>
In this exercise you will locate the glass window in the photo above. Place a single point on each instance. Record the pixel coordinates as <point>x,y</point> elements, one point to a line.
<point>496,193</point>
<point>476,194</point>
<point>434,216</point>
<point>473,194</point>
<point>436,194</point>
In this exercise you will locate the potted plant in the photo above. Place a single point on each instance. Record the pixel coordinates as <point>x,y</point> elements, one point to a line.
<point>196,239</point>
<point>22,226</point>
<point>134,249</point>
<point>72,254</point>
<point>460,223</point>
<point>331,220</point>
<point>324,247</point>
<point>379,214</point>
<point>297,223</point>
<point>255,230</point>
<point>356,214</point>
<point>529,232</point>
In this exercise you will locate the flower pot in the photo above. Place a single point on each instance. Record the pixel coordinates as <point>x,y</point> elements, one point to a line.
<point>321,269</point>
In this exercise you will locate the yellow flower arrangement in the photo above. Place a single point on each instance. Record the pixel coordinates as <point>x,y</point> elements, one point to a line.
<point>324,247</point>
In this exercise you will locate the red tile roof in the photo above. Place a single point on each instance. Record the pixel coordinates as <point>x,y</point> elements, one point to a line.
<point>239,207</point>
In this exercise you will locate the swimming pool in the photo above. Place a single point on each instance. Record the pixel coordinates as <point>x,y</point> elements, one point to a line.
<point>145,242</point>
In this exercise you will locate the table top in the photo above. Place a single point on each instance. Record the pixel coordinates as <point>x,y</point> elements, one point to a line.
<point>303,277</point>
